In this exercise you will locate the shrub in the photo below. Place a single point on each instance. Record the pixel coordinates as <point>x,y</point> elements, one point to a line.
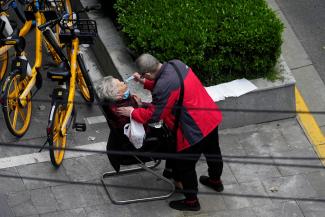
<point>221,40</point>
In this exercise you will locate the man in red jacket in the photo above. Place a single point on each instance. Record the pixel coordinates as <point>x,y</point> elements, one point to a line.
<point>197,131</point>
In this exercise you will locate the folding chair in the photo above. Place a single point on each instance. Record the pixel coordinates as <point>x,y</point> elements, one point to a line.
<point>141,166</point>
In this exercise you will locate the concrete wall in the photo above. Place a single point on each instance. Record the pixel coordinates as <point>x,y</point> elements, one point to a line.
<point>271,101</point>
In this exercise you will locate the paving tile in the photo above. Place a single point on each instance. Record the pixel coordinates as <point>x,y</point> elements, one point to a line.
<point>21,204</point>
<point>312,208</point>
<point>290,187</point>
<point>245,212</point>
<point>245,195</point>
<point>44,200</point>
<point>67,213</point>
<point>254,169</point>
<point>8,185</point>
<point>15,151</point>
<point>136,185</point>
<point>211,201</point>
<point>4,207</point>
<point>264,142</point>
<point>256,193</point>
<point>159,208</point>
<point>230,146</point>
<point>76,196</point>
<point>296,165</point>
<point>43,171</point>
<point>87,168</point>
<point>294,135</point>
<point>287,209</point>
<point>233,197</point>
<point>317,180</point>
<point>108,210</point>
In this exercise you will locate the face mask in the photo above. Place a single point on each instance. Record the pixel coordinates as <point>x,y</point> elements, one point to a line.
<point>126,94</point>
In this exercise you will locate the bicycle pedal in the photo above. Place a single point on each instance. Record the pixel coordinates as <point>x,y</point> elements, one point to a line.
<point>80,127</point>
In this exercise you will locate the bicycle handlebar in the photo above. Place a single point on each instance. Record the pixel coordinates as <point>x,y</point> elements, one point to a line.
<point>54,22</point>
<point>49,23</point>
<point>5,5</point>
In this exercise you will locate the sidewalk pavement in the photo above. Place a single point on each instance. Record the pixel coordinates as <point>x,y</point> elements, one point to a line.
<point>270,169</point>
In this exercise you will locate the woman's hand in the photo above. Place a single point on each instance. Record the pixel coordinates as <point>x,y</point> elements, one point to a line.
<point>137,77</point>
<point>124,111</point>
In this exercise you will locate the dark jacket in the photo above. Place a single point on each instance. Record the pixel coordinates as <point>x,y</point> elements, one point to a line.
<point>115,120</point>
<point>118,142</point>
<point>200,114</point>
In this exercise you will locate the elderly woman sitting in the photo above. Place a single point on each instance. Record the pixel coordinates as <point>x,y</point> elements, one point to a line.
<point>114,93</point>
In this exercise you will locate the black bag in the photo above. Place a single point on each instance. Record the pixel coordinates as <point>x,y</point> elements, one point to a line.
<point>173,134</point>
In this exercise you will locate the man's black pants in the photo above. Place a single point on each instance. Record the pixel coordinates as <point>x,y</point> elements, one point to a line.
<point>184,169</point>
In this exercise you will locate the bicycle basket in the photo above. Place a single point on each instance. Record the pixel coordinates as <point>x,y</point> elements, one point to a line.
<point>84,29</point>
<point>50,8</point>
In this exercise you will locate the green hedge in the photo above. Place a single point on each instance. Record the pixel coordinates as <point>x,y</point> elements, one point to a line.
<point>221,40</point>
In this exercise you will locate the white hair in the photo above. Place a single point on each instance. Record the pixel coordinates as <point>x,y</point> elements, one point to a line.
<point>147,63</point>
<point>106,89</point>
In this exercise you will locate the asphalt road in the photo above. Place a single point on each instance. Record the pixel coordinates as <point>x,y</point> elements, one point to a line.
<point>307,19</point>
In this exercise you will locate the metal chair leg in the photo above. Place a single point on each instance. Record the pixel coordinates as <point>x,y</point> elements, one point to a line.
<point>140,167</point>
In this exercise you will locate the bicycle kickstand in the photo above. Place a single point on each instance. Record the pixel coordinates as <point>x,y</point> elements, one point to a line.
<point>47,140</point>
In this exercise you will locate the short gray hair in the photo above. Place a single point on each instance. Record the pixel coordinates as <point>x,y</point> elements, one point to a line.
<point>147,63</point>
<point>106,89</point>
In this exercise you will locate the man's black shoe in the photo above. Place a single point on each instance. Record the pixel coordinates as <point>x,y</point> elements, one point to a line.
<point>167,173</point>
<point>186,205</point>
<point>215,184</point>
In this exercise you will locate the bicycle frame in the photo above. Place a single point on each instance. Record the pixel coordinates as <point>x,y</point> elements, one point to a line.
<point>72,84</point>
<point>39,18</point>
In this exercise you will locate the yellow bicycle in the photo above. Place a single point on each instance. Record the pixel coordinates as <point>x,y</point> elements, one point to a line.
<point>73,33</point>
<point>6,30</point>
<point>17,91</point>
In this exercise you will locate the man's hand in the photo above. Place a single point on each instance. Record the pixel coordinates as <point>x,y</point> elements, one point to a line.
<point>125,111</point>
<point>138,100</point>
<point>137,77</point>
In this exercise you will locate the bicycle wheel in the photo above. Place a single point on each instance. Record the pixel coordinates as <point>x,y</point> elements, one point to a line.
<point>17,117</point>
<point>56,139</point>
<point>4,59</point>
<point>83,80</point>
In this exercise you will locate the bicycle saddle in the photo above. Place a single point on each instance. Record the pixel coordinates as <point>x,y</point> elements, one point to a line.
<point>58,75</point>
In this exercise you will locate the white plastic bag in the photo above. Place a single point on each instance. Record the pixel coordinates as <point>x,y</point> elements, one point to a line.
<point>135,132</point>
